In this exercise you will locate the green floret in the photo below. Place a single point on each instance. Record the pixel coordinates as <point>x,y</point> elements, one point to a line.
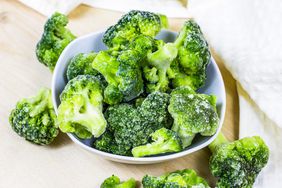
<point>54,40</point>
<point>131,126</point>
<point>186,178</point>
<point>192,113</point>
<point>34,118</point>
<point>80,111</point>
<point>164,141</point>
<point>189,69</point>
<point>133,24</point>
<point>123,74</point>
<point>237,163</point>
<point>114,182</point>
<point>81,64</point>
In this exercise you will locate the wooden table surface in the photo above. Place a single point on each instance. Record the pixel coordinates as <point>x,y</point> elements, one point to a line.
<point>63,163</point>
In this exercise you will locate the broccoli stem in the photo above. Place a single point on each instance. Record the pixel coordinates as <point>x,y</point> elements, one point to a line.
<point>149,149</point>
<point>220,139</point>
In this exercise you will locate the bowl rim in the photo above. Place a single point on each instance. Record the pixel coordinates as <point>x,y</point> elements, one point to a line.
<point>129,158</point>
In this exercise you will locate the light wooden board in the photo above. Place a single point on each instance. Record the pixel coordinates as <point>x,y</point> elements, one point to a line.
<point>64,164</point>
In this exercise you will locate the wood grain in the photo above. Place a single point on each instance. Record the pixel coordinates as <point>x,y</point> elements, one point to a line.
<point>64,164</point>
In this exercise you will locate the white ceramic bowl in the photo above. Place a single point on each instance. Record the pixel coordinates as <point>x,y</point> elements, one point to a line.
<point>93,42</point>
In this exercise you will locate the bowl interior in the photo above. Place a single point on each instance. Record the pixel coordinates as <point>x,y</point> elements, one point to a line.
<point>93,42</point>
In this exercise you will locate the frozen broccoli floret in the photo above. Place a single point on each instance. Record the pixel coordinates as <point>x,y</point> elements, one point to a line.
<point>164,141</point>
<point>122,73</point>
<point>186,178</point>
<point>80,111</point>
<point>192,113</point>
<point>131,126</point>
<point>237,163</point>
<point>114,182</point>
<point>189,69</point>
<point>81,64</point>
<point>133,24</point>
<point>34,118</point>
<point>54,40</point>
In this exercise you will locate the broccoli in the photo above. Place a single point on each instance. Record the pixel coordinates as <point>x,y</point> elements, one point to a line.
<point>81,64</point>
<point>133,24</point>
<point>237,163</point>
<point>80,111</point>
<point>122,73</point>
<point>164,141</point>
<point>192,113</point>
<point>186,178</point>
<point>34,118</point>
<point>189,69</point>
<point>114,182</point>
<point>54,40</point>
<point>131,126</point>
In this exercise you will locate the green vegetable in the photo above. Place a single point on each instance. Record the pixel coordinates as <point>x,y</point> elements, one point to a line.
<point>34,118</point>
<point>186,178</point>
<point>80,111</point>
<point>54,40</point>
<point>133,24</point>
<point>164,141</point>
<point>81,64</point>
<point>237,163</point>
<point>192,113</point>
<point>193,57</point>
<point>114,182</point>
<point>130,126</point>
<point>123,74</point>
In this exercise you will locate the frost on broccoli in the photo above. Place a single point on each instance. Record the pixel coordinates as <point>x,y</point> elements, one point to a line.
<point>131,126</point>
<point>114,182</point>
<point>80,111</point>
<point>186,178</point>
<point>192,113</point>
<point>164,141</point>
<point>122,73</point>
<point>54,40</point>
<point>34,118</point>
<point>237,163</point>
<point>133,24</point>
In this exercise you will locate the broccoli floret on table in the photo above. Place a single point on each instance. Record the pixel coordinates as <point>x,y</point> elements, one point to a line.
<point>34,118</point>
<point>237,163</point>
<point>80,111</point>
<point>186,178</point>
<point>54,40</point>
<point>164,141</point>
<point>133,24</point>
<point>192,113</point>
<point>114,182</point>
<point>122,73</point>
<point>131,126</point>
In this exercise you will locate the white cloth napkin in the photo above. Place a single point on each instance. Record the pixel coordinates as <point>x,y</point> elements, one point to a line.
<point>171,8</point>
<point>248,36</point>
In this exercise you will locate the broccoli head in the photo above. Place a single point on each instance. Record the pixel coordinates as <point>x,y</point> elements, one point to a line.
<point>164,141</point>
<point>34,118</point>
<point>179,179</point>
<point>80,111</point>
<point>122,73</point>
<point>133,24</point>
<point>81,64</point>
<point>192,113</point>
<point>54,40</point>
<point>114,182</point>
<point>131,126</point>
<point>192,59</point>
<point>237,163</point>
